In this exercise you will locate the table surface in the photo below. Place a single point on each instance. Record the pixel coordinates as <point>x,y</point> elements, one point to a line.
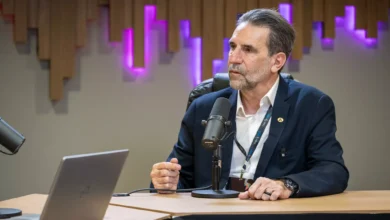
<point>34,203</point>
<point>181,204</point>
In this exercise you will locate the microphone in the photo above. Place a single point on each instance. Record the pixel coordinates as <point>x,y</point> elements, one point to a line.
<point>215,132</point>
<point>216,124</point>
<point>11,139</point>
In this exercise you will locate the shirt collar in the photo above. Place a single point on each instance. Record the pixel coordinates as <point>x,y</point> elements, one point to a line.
<point>268,99</point>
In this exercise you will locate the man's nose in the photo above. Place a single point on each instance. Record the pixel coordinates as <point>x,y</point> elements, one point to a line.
<point>235,56</point>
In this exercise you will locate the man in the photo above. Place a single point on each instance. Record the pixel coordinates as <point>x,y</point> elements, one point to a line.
<point>296,153</point>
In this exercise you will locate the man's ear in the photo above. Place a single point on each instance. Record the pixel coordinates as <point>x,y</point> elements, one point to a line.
<point>279,61</point>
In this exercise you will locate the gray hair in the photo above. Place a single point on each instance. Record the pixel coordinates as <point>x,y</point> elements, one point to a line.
<point>282,34</point>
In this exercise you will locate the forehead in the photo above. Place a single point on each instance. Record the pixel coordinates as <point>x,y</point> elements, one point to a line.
<point>248,34</point>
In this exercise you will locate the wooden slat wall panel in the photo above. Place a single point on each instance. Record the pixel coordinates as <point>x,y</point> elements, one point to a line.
<point>265,3</point>
<point>33,13</point>
<point>62,27</point>
<point>307,24</point>
<point>298,6</point>
<point>275,3</point>
<point>8,7</point>
<point>241,6</point>
<point>361,14</point>
<point>103,2</point>
<point>150,2</point>
<point>372,30</point>
<point>44,29</point>
<point>318,10</point>
<point>139,33</point>
<point>92,9</point>
<point>195,11</point>
<point>57,70</point>
<point>208,41</point>
<point>330,13</point>
<point>20,27</point>
<point>162,9</point>
<point>173,26</point>
<point>251,4</point>
<point>81,23</point>
<point>382,10</point>
<point>128,14</point>
<point>230,19</point>
<point>182,10</point>
<point>117,18</point>
<point>339,8</point>
<point>219,24</point>
<point>63,38</point>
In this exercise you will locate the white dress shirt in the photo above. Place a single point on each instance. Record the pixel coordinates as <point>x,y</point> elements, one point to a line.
<point>247,126</point>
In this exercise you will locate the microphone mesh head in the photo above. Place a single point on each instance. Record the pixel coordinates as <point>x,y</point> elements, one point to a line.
<point>221,107</point>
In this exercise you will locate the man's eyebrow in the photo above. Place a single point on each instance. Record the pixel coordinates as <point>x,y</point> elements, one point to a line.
<point>250,47</point>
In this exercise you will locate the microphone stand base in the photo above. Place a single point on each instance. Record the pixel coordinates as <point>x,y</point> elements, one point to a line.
<point>215,194</point>
<point>8,213</point>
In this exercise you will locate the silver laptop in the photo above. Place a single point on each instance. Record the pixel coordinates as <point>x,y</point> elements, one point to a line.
<point>83,186</point>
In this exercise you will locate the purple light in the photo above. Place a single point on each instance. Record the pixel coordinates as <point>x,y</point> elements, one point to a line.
<point>339,21</point>
<point>350,19</point>
<point>327,43</point>
<point>217,64</point>
<point>149,18</point>
<point>197,59</point>
<point>286,11</point>
<point>129,59</point>
<point>185,28</point>
<point>196,45</point>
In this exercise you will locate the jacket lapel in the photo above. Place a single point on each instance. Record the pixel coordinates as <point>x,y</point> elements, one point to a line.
<point>279,118</point>
<point>227,144</point>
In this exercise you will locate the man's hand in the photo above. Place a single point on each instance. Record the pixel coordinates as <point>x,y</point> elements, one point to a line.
<point>261,185</point>
<point>165,175</point>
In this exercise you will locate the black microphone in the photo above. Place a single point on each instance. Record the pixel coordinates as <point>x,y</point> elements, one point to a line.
<point>216,129</point>
<point>10,138</point>
<point>216,124</point>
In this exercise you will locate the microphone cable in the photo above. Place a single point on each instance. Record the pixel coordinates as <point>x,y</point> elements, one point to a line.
<point>153,189</point>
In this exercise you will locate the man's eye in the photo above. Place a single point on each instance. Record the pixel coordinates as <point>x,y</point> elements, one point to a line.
<point>247,49</point>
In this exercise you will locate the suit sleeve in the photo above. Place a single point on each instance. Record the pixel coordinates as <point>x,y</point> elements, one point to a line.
<point>183,149</point>
<point>326,173</point>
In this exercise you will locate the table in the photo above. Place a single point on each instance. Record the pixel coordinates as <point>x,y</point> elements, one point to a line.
<point>34,203</point>
<point>347,205</point>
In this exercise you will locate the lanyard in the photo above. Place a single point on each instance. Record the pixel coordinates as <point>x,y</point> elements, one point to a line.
<point>255,141</point>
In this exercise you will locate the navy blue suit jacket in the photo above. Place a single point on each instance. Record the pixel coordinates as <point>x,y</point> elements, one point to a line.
<point>313,156</point>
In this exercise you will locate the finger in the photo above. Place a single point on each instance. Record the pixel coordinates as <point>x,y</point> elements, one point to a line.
<point>266,183</point>
<point>166,186</point>
<point>252,190</point>
<point>265,197</point>
<point>261,190</point>
<point>166,165</point>
<point>275,195</point>
<point>165,180</point>
<point>285,194</point>
<point>163,173</point>
<point>174,160</point>
<point>243,195</point>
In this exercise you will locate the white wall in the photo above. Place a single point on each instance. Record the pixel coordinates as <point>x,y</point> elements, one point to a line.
<point>103,111</point>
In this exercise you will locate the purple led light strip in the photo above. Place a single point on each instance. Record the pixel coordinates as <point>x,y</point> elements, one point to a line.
<point>285,9</point>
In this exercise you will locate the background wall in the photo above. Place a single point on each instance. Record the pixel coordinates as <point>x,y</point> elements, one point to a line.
<point>108,108</point>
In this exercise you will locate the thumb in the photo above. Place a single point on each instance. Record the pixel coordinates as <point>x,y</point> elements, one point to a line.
<point>174,160</point>
<point>243,195</point>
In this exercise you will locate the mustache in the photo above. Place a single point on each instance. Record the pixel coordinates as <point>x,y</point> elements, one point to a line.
<point>236,68</point>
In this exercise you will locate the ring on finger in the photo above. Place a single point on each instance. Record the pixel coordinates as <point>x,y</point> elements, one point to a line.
<point>267,193</point>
